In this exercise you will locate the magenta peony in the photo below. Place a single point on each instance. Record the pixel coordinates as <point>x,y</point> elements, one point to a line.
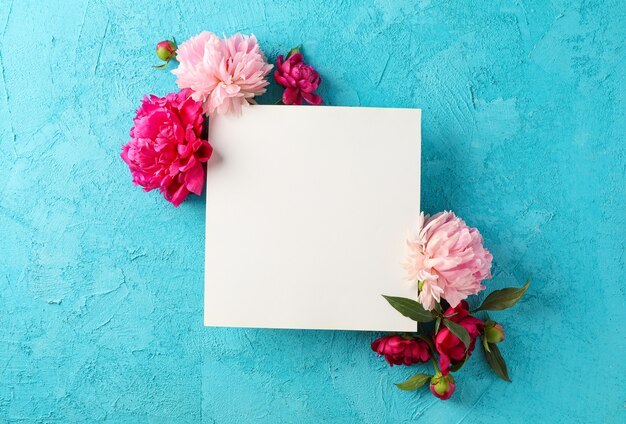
<point>449,346</point>
<point>398,350</point>
<point>166,150</point>
<point>224,74</point>
<point>447,258</point>
<point>299,79</point>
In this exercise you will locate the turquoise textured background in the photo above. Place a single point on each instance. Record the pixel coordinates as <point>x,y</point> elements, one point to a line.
<point>101,285</point>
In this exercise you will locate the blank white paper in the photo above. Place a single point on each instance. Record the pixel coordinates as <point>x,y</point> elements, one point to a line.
<point>307,214</point>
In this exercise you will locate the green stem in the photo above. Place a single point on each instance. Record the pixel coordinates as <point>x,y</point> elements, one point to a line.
<point>432,359</point>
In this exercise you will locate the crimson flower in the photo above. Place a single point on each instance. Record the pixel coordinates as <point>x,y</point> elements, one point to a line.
<point>299,79</point>
<point>449,346</point>
<point>398,350</point>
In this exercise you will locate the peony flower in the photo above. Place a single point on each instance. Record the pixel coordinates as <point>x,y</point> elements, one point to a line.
<point>448,259</point>
<point>299,79</point>
<point>398,350</point>
<point>166,150</point>
<point>449,346</point>
<point>494,333</point>
<point>442,385</point>
<point>223,74</point>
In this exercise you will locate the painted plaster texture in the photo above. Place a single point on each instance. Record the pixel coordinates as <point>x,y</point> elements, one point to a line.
<point>101,285</point>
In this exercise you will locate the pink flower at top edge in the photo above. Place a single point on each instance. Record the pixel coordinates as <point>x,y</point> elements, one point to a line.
<point>166,150</point>
<point>299,80</point>
<point>449,259</point>
<point>223,74</point>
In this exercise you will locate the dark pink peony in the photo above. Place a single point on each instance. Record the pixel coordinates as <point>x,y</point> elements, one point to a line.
<point>398,350</point>
<point>449,346</point>
<point>166,150</point>
<point>299,79</point>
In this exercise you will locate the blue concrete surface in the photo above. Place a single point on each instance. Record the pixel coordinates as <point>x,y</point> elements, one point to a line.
<point>101,284</point>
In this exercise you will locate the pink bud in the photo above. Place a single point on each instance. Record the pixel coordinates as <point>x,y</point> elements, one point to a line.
<point>166,50</point>
<point>442,386</point>
<point>494,333</point>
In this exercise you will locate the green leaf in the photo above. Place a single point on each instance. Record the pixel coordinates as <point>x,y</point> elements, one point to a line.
<point>459,331</point>
<point>437,325</point>
<point>161,66</point>
<point>503,299</point>
<point>410,308</point>
<point>293,51</point>
<point>496,362</point>
<point>413,383</point>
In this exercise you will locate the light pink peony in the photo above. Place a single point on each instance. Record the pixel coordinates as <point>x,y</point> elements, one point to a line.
<point>166,150</point>
<point>224,74</point>
<point>448,257</point>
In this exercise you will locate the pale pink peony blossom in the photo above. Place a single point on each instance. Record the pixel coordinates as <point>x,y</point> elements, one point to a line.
<point>166,150</point>
<point>448,257</point>
<point>224,74</point>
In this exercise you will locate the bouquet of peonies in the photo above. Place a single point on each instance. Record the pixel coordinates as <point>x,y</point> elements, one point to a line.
<point>168,150</point>
<point>448,261</point>
<point>168,146</point>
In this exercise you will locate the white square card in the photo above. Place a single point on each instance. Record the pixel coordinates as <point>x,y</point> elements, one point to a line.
<point>307,214</point>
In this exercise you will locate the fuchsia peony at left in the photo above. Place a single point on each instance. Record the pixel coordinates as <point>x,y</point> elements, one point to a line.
<point>166,149</point>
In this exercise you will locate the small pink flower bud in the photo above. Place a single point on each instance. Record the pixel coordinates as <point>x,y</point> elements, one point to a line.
<point>442,386</point>
<point>494,333</point>
<point>166,50</point>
